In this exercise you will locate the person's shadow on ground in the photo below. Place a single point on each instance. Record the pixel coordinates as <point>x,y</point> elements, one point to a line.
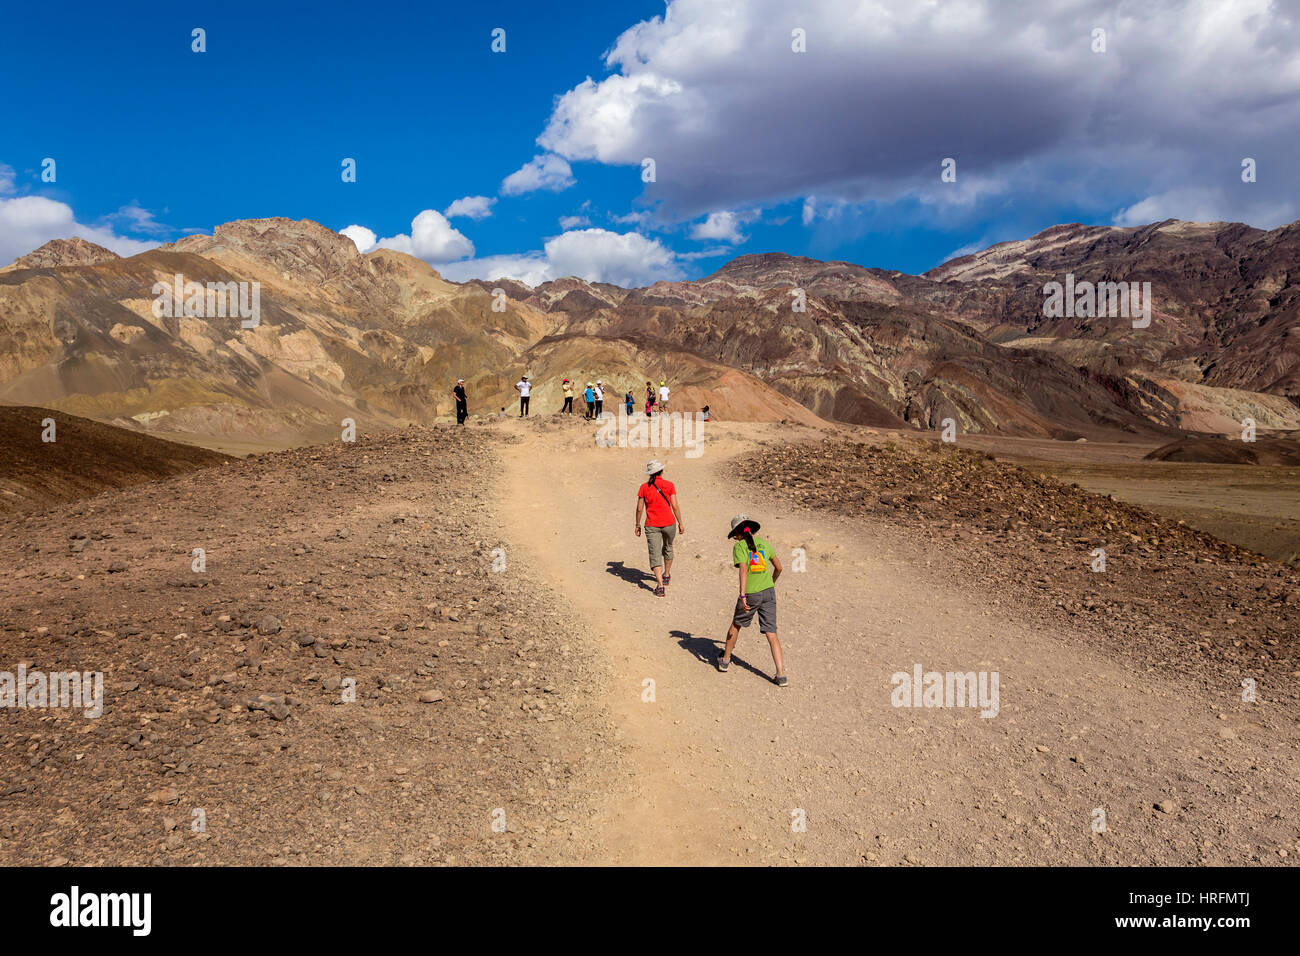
<point>707,651</point>
<point>631,575</point>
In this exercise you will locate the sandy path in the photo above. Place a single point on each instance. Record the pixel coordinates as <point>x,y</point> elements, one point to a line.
<point>721,764</point>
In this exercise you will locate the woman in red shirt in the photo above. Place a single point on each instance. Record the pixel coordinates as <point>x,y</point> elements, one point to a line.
<point>656,500</point>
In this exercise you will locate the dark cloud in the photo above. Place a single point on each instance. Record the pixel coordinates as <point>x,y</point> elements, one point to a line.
<point>1159,122</point>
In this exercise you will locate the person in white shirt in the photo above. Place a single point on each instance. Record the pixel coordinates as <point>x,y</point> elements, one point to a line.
<point>663,397</point>
<point>598,392</point>
<point>523,386</point>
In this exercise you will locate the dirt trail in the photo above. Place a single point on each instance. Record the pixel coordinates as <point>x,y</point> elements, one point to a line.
<point>719,765</point>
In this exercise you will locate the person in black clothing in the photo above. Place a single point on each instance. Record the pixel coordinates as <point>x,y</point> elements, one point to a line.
<point>462,406</point>
<point>523,387</point>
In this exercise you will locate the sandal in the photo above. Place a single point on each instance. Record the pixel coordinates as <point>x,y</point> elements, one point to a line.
<point>667,579</point>
<point>659,591</point>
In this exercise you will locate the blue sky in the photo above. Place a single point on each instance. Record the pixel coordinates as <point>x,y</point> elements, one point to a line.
<point>834,151</point>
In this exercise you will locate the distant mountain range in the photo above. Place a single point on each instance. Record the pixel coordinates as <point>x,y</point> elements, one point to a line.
<point>381,337</point>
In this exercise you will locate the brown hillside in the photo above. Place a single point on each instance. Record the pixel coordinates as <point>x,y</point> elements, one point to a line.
<point>1221,451</point>
<point>63,252</point>
<point>85,458</point>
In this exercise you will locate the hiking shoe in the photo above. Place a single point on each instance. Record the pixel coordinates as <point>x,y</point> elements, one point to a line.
<point>659,591</point>
<point>723,663</point>
<point>780,681</point>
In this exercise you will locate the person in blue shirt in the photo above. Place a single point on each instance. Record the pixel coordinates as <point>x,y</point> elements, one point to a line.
<point>589,396</point>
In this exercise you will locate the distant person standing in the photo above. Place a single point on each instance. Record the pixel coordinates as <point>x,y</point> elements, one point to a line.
<point>759,569</point>
<point>663,397</point>
<point>598,392</point>
<point>649,399</point>
<point>657,501</point>
<point>589,396</point>
<point>462,403</point>
<point>523,387</point>
<point>568,398</point>
<point>629,402</point>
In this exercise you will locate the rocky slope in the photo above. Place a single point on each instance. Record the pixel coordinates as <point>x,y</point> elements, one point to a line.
<point>1227,298</point>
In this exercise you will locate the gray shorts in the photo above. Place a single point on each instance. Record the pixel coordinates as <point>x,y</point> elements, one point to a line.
<point>762,603</point>
<point>660,542</point>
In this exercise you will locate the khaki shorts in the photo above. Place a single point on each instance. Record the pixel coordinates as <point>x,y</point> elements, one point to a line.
<point>660,542</point>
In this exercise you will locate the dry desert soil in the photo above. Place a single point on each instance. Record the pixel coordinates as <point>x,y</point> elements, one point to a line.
<point>439,646</point>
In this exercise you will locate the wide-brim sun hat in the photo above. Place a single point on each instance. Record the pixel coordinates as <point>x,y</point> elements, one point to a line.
<point>654,467</point>
<point>739,520</point>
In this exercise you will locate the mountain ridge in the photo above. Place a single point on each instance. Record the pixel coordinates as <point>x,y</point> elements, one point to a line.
<point>380,337</point>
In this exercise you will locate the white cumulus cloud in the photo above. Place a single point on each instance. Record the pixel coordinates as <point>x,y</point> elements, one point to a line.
<point>1206,205</point>
<point>597,255</point>
<point>432,238</point>
<point>364,238</point>
<point>28,222</point>
<point>723,226</point>
<point>809,211</point>
<point>471,207</point>
<point>547,171</point>
<point>529,268</point>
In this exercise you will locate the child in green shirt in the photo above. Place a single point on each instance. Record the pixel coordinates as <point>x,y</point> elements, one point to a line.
<point>759,568</point>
